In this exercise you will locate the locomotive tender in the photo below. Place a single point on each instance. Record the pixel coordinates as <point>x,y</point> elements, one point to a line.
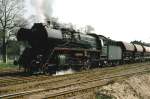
<point>52,49</point>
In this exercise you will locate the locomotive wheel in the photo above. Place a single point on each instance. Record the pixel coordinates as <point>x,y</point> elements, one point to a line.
<point>86,65</point>
<point>27,69</point>
<point>99,64</point>
<point>45,69</point>
<point>48,71</point>
<point>34,67</point>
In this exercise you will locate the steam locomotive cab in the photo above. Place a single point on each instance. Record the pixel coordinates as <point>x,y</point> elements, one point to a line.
<point>111,52</point>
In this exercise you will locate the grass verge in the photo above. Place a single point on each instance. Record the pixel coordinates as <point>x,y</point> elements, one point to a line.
<point>7,65</point>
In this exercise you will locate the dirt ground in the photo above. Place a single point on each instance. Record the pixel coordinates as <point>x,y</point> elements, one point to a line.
<point>126,87</point>
<point>135,87</point>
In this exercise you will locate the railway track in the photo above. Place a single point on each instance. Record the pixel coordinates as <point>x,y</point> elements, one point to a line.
<point>17,79</point>
<point>78,85</point>
<point>85,85</point>
<point>50,80</point>
<point>10,71</point>
<point>12,80</point>
<point>7,81</point>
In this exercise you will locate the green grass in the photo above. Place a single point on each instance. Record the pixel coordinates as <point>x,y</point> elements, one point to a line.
<point>7,65</point>
<point>104,96</point>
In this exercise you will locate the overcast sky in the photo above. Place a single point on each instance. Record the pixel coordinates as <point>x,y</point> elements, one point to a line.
<point>124,20</point>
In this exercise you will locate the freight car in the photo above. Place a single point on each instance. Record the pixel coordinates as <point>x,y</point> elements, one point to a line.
<point>49,50</point>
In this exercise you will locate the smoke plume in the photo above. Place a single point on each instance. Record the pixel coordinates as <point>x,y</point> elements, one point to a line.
<point>43,9</point>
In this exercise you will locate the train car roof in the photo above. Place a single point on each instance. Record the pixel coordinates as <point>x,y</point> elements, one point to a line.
<point>147,49</point>
<point>127,46</point>
<point>138,48</point>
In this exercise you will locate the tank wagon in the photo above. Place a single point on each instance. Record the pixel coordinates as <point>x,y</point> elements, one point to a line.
<point>49,50</point>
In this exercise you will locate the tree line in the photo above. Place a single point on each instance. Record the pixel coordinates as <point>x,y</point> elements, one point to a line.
<point>11,12</point>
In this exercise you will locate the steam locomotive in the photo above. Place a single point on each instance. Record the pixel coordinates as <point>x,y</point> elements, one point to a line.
<point>51,49</point>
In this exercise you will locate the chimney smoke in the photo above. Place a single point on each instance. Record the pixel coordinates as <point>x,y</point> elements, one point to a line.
<point>43,9</point>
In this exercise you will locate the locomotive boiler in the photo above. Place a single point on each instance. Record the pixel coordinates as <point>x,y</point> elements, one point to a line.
<point>53,49</point>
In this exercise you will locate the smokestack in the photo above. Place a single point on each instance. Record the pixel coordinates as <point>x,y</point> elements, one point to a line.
<point>43,9</point>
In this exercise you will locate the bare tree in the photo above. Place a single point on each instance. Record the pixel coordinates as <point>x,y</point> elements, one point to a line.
<point>10,12</point>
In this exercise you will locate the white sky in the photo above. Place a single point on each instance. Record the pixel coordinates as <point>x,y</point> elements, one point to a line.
<point>124,20</point>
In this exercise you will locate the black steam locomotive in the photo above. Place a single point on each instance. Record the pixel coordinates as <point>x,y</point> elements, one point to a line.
<point>49,50</point>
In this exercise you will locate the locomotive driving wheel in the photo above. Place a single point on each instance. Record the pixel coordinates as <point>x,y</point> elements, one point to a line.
<point>45,69</point>
<point>86,65</point>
